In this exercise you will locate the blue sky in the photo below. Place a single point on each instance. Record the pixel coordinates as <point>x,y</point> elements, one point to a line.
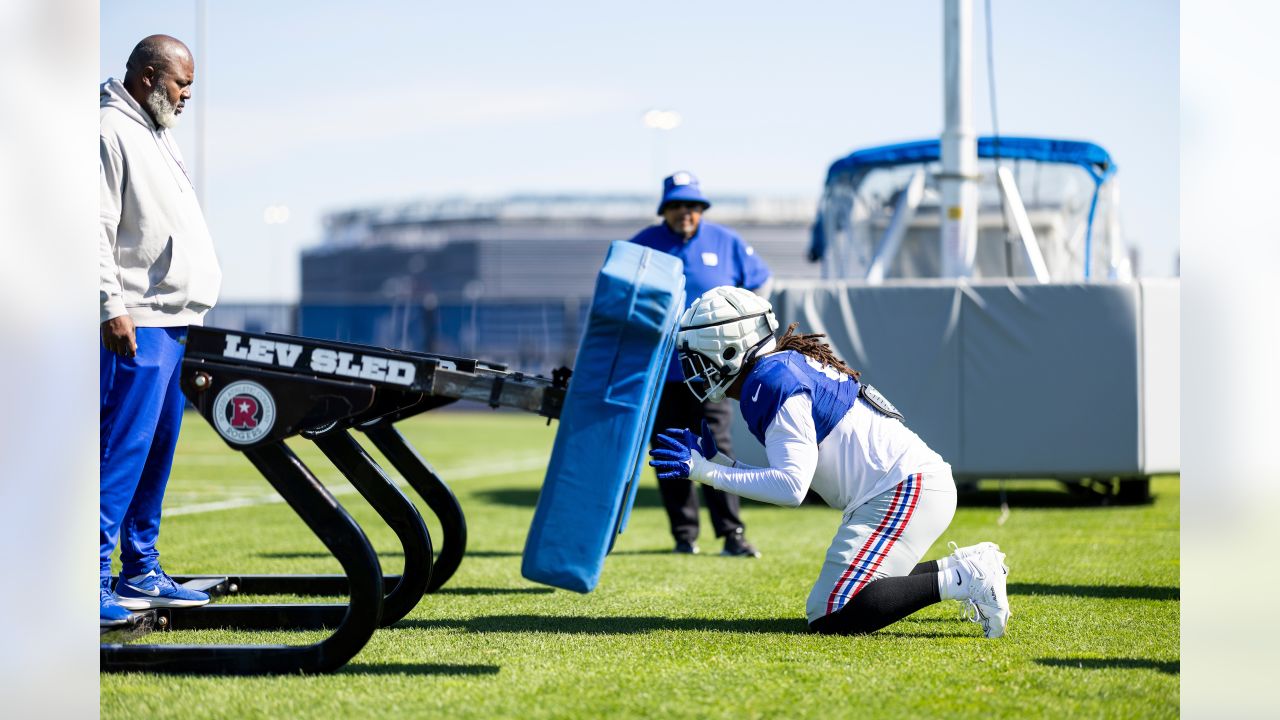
<point>326,105</point>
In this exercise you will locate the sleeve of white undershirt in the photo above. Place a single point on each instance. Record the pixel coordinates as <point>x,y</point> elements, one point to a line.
<point>792,446</point>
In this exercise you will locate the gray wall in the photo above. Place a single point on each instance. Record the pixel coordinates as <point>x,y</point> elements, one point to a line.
<point>1011,380</point>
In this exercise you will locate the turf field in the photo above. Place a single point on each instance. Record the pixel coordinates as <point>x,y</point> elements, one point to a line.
<point>1094,592</point>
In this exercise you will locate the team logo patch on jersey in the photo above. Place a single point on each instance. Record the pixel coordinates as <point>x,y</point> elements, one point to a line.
<point>244,412</point>
<point>710,259</point>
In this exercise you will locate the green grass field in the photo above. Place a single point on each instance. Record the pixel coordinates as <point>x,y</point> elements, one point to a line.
<point>1094,592</point>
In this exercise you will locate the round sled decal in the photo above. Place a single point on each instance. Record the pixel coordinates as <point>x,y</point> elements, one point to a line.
<point>244,412</point>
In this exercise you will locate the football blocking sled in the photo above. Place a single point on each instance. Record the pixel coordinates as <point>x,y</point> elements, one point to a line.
<point>607,416</point>
<point>258,390</point>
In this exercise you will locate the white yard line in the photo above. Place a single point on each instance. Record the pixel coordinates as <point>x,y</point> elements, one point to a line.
<point>516,465</point>
<point>214,459</point>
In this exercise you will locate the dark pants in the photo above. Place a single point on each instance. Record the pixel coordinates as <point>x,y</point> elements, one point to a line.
<point>678,408</point>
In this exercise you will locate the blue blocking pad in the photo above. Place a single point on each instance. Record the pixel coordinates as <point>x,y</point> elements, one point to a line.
<point>608,413</point>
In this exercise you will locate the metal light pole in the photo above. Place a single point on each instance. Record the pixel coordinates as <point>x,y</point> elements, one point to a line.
<point>661,122</point>
<point>202,52</point>
<point>959,175</point>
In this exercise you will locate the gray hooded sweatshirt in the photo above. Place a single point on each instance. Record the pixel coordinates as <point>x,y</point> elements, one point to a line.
<point>156,257</point>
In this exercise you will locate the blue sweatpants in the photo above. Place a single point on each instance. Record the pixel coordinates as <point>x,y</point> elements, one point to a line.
<point>139,419</point>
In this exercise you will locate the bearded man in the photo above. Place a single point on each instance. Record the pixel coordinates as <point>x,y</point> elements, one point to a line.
<point>158,275</point>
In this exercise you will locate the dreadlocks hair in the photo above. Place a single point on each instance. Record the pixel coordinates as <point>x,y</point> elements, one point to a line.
<point>810,346</point>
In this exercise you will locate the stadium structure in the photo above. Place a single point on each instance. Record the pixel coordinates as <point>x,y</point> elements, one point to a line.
<point>508,279</point>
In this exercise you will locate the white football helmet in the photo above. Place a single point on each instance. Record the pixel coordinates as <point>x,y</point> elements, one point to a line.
<point>719,335</point>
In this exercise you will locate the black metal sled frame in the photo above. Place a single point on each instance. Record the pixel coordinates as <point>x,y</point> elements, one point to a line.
<point>402,592</point>
<point>340,534</point>
<point>423,478</point>
<point>319,390</point>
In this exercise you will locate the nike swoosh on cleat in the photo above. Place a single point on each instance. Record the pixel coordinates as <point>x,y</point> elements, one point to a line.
<point>958,577</point>
<point>152,593</point>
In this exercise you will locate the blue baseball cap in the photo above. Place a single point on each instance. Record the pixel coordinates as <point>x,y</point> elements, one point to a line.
<point>682,187</point>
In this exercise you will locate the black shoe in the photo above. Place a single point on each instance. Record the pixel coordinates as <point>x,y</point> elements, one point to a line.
<point>736,545</point>
<point>686,547</point>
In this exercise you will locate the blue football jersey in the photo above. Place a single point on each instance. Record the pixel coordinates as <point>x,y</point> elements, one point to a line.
<point>778,376</point>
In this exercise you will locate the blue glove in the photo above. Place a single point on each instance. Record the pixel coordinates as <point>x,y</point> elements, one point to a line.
<point>709,449</point>
<point>673,457</point>
<point>704,444</point>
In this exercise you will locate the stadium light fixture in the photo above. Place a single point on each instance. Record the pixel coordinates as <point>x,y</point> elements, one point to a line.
<point>662,119</point>
<point>276,214</point>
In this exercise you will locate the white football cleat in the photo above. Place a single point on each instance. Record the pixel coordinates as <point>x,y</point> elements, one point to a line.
<point>988,602</point>
<point>964,552</point>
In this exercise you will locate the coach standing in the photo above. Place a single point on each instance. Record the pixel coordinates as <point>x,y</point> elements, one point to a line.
<point>713,256</point>
<point>158,275</point>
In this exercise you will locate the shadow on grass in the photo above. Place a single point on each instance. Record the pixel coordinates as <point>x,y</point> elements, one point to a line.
<point>313,554</point>
<point>417,669</point>
<point>646,496</point>
<point>469,554</point>
<point>1167,667</point>
<point>649,551</point>
<point>474,554</point>
<point>611,625</point>
<point>308,554</point>
<point>1122,592</point>
<point>493,591</point>
<point>1049,498</point>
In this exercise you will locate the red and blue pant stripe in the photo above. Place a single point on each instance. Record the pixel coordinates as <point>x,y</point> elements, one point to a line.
<point>862,570</point>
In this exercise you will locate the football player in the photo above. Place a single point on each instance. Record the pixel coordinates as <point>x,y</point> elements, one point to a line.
<point>824,430</point>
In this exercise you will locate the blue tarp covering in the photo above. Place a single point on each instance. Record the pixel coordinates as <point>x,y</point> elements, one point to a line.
<point>608,413</point>
<point>1093,158</point>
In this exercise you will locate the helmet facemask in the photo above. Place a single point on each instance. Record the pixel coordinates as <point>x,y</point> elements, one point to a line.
<point>720,334</point>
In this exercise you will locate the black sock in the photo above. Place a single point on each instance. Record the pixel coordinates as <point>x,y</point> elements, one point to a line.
<point>928,566</point>
<point>880,603</point>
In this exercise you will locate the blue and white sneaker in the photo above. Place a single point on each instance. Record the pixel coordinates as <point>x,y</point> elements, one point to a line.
<point>111,614</point>
<point>157,590</point>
